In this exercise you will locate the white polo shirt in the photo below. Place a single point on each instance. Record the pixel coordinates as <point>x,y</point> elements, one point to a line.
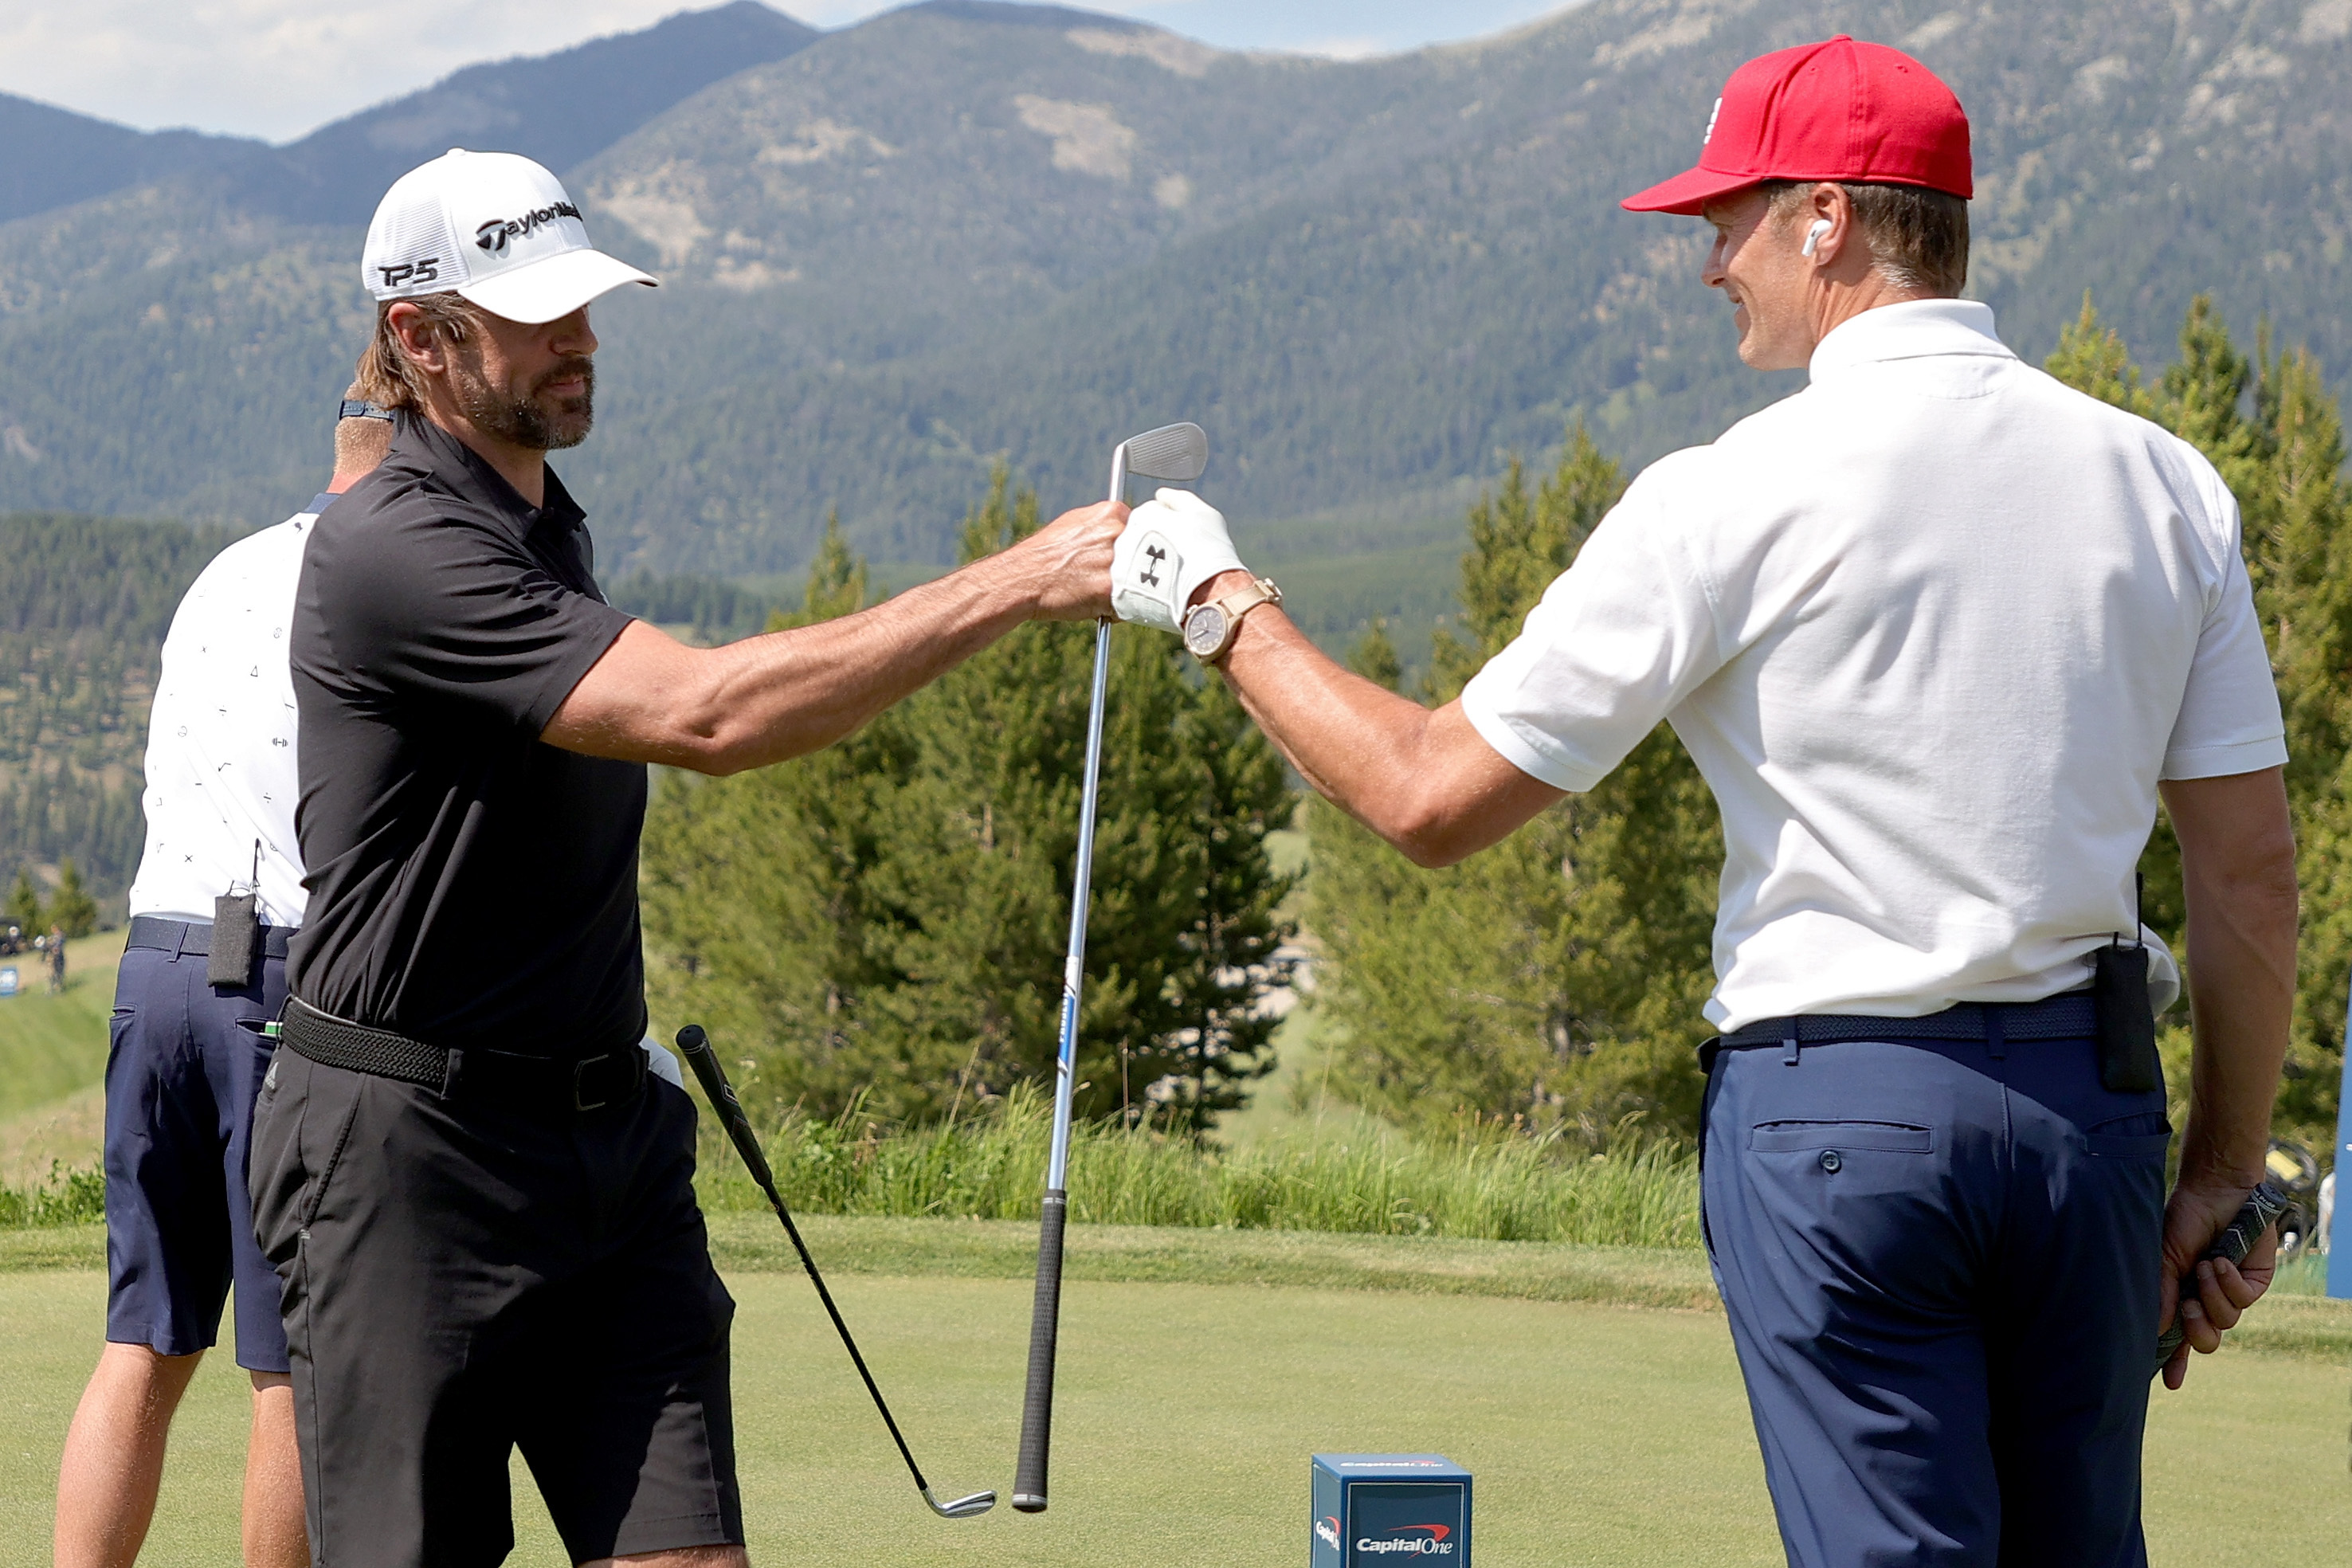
<point>221,738</point>
<point>1932,629</point>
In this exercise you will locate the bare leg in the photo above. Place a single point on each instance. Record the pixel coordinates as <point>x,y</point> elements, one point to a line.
<point>275,1536</point>
<point>684,1557</point>
<point>114,1456</point>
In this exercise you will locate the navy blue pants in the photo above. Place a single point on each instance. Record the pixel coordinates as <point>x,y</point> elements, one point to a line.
<point>1941,1268</point>
<point>181,1076</point>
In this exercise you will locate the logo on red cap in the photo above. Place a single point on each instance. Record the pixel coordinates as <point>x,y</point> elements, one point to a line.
<point>1861,113</point>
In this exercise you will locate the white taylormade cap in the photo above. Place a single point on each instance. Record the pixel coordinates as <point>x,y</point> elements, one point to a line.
<point>495,227</point>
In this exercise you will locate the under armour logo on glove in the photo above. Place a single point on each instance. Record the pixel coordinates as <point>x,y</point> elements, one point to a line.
<point>1173,543</point>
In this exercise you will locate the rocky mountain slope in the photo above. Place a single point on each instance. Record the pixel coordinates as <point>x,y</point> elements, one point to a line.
<point>962,230</point>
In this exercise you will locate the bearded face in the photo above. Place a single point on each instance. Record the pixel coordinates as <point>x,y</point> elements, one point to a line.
<point>546,410</point>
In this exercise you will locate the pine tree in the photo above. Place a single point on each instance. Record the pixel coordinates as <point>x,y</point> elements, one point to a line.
<point>71,908</point>
<point>2270,428</point>
<point>894,934</point>
<point>2306,603</point>
<point>2091,358</point>
<point>1374,657</point>
<point>1557,977</point>
<point>22,910</point>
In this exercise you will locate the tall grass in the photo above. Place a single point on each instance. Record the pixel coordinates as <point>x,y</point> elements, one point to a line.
<point>67,1197</point>
<point>1486,1184</point>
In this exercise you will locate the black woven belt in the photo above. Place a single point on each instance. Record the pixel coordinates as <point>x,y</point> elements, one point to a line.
<point>2066,1016</point>
<point>556,1084</point>
<point>196,937</point>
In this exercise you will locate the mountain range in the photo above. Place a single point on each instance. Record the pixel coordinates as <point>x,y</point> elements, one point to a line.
<point>959,232</point>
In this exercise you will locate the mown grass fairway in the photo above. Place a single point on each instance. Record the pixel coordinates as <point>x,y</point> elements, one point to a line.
<point>51,1046</point>
<point>1601,1435</point>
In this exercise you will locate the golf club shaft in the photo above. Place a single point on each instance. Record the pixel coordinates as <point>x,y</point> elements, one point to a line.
<point>696,1046</point>
<point>1045,1312</point>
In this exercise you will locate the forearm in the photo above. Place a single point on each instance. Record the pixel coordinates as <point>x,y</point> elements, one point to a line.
<point>2242,917</point>
<point>789,693</point>
<point>2242,965</point>
<point>1424,781</point>
<point>784,694</point>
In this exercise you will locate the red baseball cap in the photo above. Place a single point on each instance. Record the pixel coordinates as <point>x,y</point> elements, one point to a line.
<point>1836,110</point>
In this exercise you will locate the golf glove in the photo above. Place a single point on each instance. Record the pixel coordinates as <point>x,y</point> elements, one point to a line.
<point>1173,543</point>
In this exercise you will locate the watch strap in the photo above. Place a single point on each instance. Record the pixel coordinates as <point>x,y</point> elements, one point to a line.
<point>1237,604</point>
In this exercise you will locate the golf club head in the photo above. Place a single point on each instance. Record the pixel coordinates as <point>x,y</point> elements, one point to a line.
<point>971,1507</point>
<point>1173,452</point>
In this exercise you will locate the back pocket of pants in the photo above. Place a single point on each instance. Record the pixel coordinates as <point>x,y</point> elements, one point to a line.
<point>1886,1137</point>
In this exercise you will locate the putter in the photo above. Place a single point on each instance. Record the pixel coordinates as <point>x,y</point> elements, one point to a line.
<point>696,1044</point>
<point>1177,453</point>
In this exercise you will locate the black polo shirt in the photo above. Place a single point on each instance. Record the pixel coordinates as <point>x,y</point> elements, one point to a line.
<point>469,884</point>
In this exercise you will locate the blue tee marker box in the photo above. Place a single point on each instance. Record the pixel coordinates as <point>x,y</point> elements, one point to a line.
<point>1373,1510</point>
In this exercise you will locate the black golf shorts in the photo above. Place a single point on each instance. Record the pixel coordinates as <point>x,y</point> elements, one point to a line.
<point>461,1280</point>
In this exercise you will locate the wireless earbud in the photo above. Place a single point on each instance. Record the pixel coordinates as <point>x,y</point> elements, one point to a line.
<point>1814,234</point>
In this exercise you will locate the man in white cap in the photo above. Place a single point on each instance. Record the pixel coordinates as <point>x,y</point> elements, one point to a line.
<point>481,1209</point>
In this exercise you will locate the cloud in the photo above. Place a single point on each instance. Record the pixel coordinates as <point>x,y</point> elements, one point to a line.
<point>274,69</point>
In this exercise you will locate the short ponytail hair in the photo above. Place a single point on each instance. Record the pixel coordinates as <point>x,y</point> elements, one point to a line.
<point>386,377</point>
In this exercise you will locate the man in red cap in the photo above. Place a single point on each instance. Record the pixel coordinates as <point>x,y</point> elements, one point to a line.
<point>1940,633</point>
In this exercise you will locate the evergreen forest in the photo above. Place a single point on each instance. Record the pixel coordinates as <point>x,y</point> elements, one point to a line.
<point>84,605</point>
<point>880,924</point>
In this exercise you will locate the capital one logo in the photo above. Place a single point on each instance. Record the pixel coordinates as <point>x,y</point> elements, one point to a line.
<point>1327,1530</point>
<point>1711,117</point>
<point>1433,1544</point>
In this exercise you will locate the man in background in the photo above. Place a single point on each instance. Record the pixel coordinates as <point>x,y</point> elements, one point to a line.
<point>187,1060</point>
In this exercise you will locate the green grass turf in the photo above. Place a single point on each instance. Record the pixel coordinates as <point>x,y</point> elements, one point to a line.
<point>1601,1435</point>
<point>51,1046</point>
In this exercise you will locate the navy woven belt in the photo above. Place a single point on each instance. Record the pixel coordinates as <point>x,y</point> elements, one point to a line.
<point>2067,1017</point>
<point>196,937</point>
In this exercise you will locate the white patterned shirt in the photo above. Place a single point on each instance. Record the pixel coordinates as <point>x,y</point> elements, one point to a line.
<point>221,780</point>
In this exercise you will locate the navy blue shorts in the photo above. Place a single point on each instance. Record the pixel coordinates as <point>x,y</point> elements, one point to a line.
<point>1941,1259</point>
<point>181,1076</point>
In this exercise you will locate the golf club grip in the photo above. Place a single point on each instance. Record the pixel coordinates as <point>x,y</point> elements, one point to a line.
<point>1044,1325</point>
<point>2260,1211</point>
<point>694,1046</point>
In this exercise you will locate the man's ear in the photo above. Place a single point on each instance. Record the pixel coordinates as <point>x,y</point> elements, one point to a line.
<point>1830,203</point>
<point>419,338</point>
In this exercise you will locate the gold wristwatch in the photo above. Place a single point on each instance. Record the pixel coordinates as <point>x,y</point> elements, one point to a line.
<point>1209,627</point>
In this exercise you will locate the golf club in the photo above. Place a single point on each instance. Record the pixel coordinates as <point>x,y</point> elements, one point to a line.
<point>1177,453</point>
<point>696,1044</point>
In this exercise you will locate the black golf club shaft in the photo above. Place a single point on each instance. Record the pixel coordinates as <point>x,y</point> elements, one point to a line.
<point>696,1044</point>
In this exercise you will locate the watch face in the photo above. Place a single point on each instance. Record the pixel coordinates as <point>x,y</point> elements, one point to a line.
<point>1204,630</point>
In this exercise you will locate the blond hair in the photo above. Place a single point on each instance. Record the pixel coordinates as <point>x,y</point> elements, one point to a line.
<point>387,377</point>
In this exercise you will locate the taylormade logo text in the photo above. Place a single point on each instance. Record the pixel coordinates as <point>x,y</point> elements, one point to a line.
<point>493,236</point>
<point>1434,1544</point>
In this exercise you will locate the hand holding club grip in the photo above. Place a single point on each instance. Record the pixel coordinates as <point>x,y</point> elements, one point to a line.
<point>2262,1210</point>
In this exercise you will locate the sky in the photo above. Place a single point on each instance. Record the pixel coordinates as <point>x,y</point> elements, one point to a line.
<point>279,69</point>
